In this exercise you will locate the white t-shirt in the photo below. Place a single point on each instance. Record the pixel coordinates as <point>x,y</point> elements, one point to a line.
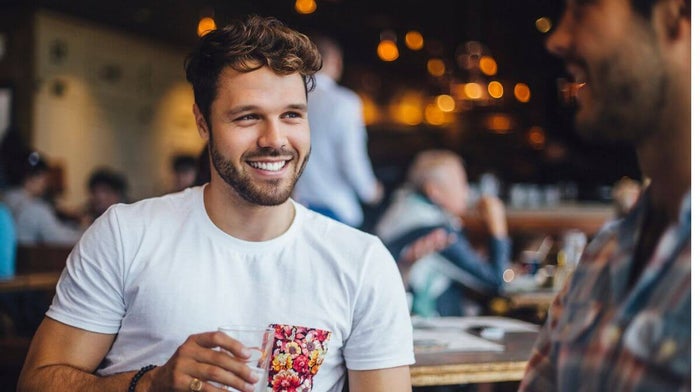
<point>158,270</point>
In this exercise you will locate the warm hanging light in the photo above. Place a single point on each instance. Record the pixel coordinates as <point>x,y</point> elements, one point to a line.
<point>522,92</point>
<point>205,25</point>
<point>305,7</point>
<point>387,50</point>
<point>488,65</point>
<point>543,24</point>
<point>495,89</point>
<point>436,67</point>
<point>414,40</point>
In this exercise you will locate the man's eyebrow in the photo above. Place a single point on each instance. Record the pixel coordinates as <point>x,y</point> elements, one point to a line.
<point>298,106</point>
<point>240,109</point>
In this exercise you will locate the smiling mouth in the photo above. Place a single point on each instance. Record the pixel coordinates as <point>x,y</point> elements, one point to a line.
<point>569,89</point>
<point>268,166</point>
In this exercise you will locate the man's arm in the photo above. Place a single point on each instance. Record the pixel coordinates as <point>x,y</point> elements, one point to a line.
<point>63,358</point>
<point>395,379</point>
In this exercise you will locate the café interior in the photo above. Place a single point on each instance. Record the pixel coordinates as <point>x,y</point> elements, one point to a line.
<point>90,84</point>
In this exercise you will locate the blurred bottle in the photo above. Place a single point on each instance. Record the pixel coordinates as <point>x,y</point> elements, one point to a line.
<point>573,243</point>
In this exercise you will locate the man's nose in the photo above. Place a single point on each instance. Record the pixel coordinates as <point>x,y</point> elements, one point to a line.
<point>559,41</point>
<point>272,135</point>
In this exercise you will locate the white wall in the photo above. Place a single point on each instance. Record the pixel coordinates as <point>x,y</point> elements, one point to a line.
<point>111,99</point>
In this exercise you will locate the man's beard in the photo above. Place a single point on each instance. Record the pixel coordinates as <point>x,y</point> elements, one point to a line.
<point>628,94</point>
<point>270,192</point>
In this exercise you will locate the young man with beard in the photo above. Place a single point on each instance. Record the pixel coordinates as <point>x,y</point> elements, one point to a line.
<point>622,322</point>
<point>149,282</point>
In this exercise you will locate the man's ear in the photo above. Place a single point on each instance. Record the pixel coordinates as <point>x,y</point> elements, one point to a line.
<point>202,126</point>
<point>670,15</point>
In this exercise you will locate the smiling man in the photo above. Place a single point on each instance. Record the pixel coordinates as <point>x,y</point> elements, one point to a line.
<point>622,322</point>
<point>146,287</point>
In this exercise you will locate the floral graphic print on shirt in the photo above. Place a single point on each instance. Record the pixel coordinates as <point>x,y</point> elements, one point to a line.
<point>297,354</point>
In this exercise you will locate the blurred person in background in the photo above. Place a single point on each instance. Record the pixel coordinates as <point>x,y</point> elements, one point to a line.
<point>8,243</point>
<point>622,321</point>
<point>106,187</point>
<point>184,171</point>
<point>448,272</point>
<point>338,177</point>
<point>36,221</point>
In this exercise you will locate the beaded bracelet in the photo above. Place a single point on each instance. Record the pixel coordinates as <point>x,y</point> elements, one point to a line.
<point>138,375</point>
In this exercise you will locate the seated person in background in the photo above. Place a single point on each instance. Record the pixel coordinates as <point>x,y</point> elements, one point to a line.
<point>184,169</point>
<point>435,197</point>
<point>106,187</point>
<point>35,219</point>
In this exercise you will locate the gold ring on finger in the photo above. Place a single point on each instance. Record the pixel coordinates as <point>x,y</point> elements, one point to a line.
<point>196,385</point>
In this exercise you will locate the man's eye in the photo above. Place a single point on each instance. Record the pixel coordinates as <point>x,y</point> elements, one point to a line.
<point>247,117</point>
<point>292,115</point>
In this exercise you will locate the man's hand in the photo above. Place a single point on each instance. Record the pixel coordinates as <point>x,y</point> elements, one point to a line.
<point>493,213</point>
<point>197,358</point>
<point>434,241</point>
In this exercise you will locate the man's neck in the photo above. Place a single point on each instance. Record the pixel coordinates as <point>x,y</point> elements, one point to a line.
<point>242,219</point>
<point>665,159</point>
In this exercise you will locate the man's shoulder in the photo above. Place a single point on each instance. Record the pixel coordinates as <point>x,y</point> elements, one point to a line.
<point>159,206</point>
<point>332,232</point>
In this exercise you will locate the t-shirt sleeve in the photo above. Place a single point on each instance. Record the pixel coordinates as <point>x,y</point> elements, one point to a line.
<point>89,294</point>
<point>382,335</point>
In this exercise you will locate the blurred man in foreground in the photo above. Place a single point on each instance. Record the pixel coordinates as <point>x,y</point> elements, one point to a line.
<point>622,322</point>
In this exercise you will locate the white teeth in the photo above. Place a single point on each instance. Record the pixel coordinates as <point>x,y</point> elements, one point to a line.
<point>268,166</point>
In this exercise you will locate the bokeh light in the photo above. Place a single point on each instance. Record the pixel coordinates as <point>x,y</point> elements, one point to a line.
<point>387,50</point>
<point>488,66</point>
<point>305,7</point>
<point>522,92</point>
<point>414,40</point>
<point>543,24</point>
<point>436,67</point>
<point>473,90</point>
<point>536,137</point>
<point>205,25</point>
<point>445,103</point>
<point>495,89</point>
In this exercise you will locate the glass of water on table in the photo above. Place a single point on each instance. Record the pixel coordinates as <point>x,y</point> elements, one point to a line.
<point>259,341</point>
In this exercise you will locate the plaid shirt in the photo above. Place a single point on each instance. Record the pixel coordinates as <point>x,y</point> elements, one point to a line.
<point>602,335</point>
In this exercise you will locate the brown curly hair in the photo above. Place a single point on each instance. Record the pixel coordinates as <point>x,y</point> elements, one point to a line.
<point>247,45</point>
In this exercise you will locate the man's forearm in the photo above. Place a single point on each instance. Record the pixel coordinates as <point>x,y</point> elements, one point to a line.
<point>67,378</point>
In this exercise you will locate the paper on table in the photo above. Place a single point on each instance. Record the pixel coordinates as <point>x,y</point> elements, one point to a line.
<point>433,340</point>
<point>464,323</point>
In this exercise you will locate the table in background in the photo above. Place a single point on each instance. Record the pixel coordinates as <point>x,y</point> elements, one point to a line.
<point>29,282</point>
<point>461,366</point>
<point>449,368</point>
<point>588,218</point>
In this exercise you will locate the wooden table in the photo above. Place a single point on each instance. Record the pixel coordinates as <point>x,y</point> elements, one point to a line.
<point>588,218</point>
<point>450,368</point>
<point>30,281</point>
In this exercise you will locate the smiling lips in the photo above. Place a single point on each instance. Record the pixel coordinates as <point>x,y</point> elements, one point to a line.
<point>268,166</point>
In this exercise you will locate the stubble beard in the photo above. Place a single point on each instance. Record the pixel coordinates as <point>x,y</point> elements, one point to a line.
<point>628,96</point>
<point>271,192</point>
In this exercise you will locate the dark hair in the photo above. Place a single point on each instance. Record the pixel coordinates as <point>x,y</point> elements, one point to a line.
<point>33,164</point>
<point>181,163</point>
<point>246,46</point>
<point>110,178</point>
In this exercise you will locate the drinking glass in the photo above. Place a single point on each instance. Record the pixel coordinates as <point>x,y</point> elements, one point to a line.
<point>259,341</point>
